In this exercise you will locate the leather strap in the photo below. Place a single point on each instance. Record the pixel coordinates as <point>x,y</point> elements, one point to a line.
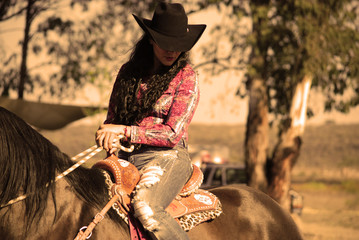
<point>99,216</point>
<point>136,229</point>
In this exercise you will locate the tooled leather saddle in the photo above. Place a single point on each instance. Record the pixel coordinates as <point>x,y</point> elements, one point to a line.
<point>191,207</point>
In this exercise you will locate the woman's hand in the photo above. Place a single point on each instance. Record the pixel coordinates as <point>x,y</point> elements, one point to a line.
<point>106,134</point>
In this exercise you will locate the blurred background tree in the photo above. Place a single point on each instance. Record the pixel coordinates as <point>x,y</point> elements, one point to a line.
<point>292,43</point>
<point>76,41</point>
<point>32,9</point>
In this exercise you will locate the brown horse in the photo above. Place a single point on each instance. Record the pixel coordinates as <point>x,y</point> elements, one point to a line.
<point>29,164</point>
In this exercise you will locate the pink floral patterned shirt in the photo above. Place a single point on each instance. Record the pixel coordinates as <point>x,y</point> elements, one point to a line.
<point>172,113</point>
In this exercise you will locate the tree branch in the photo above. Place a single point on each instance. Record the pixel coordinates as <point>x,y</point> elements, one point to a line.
<point>217,62</point>
<point>3,19</point>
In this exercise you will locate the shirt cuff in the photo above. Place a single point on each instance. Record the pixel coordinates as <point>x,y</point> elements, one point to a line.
<point>136,133</point>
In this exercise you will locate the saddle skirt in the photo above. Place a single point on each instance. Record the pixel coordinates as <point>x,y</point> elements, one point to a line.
<point>191,206</point>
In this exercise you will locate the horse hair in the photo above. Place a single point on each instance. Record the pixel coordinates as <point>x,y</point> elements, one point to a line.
<point>29,162</point>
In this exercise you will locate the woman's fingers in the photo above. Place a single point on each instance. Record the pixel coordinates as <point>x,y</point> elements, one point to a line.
<point>106,134</point>
<point>105,140</point>
<point>110,140</point>
<point>99,138</point>
<point>113,149</point>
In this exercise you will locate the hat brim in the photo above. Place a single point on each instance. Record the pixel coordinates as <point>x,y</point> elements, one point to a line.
<point>170,43</point>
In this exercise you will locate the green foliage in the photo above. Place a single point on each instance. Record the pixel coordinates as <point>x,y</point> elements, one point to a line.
<point>8,73</point>
<point>288,39</point>
<point>54,23</point>
<point>348,186</point>
<point>351,186</point>
<point>292,38</point>
<point>10,9</point>
<point>76,49</point>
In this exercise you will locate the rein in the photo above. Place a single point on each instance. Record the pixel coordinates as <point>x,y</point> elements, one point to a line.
<point>81,235</point>
<point>90,152</point>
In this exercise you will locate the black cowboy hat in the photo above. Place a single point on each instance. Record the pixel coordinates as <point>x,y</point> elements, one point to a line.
<point>169,28</point>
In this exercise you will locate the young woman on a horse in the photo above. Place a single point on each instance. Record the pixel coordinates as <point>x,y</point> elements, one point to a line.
<point>152,103</point>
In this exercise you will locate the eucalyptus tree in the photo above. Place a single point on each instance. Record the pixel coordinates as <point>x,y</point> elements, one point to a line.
<point>76,41</point>
<point>30,10</point>
<point>96,42</point>
<point>293,44</point>
<point>10,9</point>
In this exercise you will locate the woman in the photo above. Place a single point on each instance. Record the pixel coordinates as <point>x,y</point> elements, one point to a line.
<point>152,103</point>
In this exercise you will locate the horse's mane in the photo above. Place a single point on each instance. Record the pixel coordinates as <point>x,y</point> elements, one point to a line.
<point>28,162</point>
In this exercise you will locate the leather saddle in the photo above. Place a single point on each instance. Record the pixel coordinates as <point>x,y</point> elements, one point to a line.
<point>190,207</point>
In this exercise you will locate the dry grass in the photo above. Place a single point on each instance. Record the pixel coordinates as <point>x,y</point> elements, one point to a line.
<point>331,147</point>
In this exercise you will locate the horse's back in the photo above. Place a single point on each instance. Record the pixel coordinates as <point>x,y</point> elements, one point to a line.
<point>247,214</point>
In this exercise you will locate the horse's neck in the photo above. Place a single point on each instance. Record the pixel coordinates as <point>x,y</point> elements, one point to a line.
<point>72,214</point>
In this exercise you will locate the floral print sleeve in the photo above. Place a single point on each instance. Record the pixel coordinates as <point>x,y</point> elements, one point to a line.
<point>172,113</point>
<point>174,110</point>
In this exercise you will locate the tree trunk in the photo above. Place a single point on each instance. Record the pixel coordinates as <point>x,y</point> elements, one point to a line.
<point>23,68</point>
<point>256,142</point>
<point>287,150</point>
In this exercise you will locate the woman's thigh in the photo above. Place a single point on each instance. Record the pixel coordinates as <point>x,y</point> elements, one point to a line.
<point>163,174</point>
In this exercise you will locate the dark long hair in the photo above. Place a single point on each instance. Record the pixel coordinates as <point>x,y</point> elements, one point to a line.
<point>128,110</point>
<point>28,162</point>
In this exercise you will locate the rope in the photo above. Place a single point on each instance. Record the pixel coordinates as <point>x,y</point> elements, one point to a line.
<point>92,151</point>
<point>18,199</point>
<point>82,235</point>
<point>81,154</point>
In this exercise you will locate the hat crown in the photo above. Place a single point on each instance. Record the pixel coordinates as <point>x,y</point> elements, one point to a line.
<point>170,19</point>
<point>169,28</point>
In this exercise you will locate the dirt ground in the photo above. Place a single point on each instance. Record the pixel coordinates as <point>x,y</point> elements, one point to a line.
<point>328,215</point>
<point>331,204</point>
